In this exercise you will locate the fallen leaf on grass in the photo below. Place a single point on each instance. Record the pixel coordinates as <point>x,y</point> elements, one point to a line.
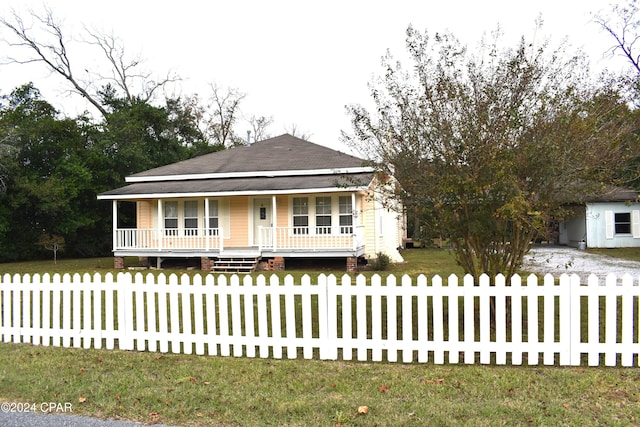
<point>362,410</point>
<point>565,405</point>
<point>206,382</point>
<point>437,381</point>
<point>153,415</point>
<point>383,388</point>
<point>82,399</point>
<point>169,390</point>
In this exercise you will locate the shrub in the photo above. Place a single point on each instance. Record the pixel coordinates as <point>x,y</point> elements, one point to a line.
<point>380,262</point>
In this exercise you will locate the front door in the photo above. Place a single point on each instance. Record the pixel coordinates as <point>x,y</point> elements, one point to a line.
<point>261,218</point>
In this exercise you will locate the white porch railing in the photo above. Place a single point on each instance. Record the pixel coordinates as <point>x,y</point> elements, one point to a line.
<point>311,238</point>
<point>168,239</point>
<point>269,238</point>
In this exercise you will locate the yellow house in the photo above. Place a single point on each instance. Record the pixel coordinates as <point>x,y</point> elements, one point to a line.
<point>258,205</point>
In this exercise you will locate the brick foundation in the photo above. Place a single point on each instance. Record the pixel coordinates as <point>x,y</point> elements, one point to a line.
<point>205,264</point>
<point>143,261</point>
<point>118,262</point>
<point>276,264</point>
<point>352,264</point>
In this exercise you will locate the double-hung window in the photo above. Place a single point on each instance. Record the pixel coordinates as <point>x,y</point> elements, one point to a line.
<point>191,218</point>
<point>323,215</point>
<point>300,215</point>
<point>346,215</point>
<point>622,223</point>
<point>171,218</point>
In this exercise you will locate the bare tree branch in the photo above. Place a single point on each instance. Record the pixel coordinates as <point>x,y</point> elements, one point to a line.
<point>224,113</point>
<point>294,130</point>
<point>624,28</point>
<point>259,126</point>
<point>124,72</point>
<point>46,43</point>
<point>52,53</point>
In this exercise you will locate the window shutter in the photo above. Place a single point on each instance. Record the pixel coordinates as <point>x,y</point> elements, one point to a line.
<point>635,224</point>
<point>609,224</point>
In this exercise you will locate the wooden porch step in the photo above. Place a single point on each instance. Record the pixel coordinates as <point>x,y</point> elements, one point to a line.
<point>235,264</point>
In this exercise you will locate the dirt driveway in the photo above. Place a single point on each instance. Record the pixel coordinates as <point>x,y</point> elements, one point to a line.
<point>560,259</point>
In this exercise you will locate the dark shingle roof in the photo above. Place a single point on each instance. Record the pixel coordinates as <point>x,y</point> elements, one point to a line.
<point>284,152</point>
<point>616,194</point>
<point>214,173</point>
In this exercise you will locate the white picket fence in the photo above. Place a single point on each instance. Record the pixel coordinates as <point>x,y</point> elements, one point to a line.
<point>409,320</point>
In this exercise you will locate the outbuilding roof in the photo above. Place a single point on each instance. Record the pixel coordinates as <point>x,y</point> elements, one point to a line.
<point>616,194</point>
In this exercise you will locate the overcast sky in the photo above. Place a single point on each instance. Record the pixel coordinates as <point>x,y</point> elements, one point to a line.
<point>298,61</point>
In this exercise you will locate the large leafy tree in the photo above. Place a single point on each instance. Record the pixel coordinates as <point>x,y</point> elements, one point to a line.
<point>52,167</point>
<point>487,146</point>
<point>48,179</point>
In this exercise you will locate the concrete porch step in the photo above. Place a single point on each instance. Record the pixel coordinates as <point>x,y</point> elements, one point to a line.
<point>235,264</point>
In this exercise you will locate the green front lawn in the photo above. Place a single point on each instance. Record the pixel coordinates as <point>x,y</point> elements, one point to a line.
<point>216,391</point>
<point>225,391</point>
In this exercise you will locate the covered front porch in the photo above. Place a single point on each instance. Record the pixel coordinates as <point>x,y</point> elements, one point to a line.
<point>251,227</point>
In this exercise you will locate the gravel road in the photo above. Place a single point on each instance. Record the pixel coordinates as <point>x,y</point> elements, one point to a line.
<point>559,259</point>
<point>36,419</point>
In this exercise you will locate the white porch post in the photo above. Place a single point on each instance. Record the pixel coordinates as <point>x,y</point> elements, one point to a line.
<point>206,223</point>
<point>354,224</point>
<point>159,224</point>
<point>115,223</point>
<point>274,225</point>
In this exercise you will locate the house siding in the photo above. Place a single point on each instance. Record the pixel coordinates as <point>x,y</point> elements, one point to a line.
<point>368,214</point>
<point>573,231</point>
<point>240,219</point>
<point>144,214</point>
<point>600,226</point>
<point>282,214</point>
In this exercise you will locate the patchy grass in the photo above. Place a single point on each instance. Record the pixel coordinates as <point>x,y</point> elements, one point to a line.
<point>632,254</point>
<point>200,390</point>
<point>81,265</point>
<point>417,261</point>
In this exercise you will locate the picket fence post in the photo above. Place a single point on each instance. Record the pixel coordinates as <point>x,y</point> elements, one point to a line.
<point>327,327</point>
<point>628,318</point>
<point>124,289</point>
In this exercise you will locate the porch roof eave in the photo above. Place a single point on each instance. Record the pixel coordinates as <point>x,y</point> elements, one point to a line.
<point>231,193</point>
